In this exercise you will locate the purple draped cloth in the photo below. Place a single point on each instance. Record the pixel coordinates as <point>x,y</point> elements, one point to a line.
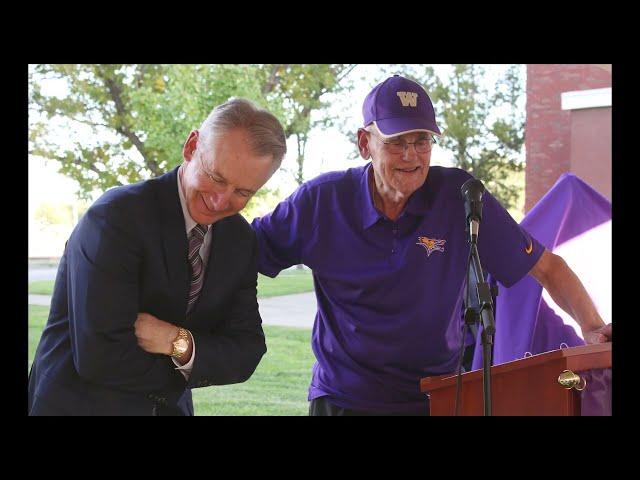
<point>525,323</point>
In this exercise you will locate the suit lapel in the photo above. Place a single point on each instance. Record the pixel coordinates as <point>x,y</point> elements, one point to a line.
<point>175,245</point>
<point>174,240</point>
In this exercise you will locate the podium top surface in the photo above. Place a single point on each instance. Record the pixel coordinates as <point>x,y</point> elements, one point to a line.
<point>585,357</point>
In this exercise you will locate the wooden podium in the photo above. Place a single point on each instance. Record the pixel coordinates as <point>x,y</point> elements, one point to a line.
<point>528,386</point>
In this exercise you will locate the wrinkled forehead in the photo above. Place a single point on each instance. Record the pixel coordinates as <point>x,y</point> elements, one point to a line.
<point>237,164</point>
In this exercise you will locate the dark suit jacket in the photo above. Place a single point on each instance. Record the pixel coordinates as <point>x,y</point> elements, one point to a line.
<point>128,254</point>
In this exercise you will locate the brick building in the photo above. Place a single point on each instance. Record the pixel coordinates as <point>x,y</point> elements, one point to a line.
<point>568,126</point>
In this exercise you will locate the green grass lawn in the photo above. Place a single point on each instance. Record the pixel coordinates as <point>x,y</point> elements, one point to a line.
<point>278,386</point>
<point>41,287</point>
<point>37,319</point>
<point>288,282</point>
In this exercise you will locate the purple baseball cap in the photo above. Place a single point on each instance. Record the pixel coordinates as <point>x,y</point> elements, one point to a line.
<point>398,106</point>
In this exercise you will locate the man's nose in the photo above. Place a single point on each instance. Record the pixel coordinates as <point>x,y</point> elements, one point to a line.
<point>410,151</point>
<point>220,200</point>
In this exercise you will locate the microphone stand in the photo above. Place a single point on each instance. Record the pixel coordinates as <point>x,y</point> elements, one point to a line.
<point>484,310</point>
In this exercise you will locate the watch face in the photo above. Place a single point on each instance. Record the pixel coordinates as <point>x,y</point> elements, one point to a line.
<point>181,345</point>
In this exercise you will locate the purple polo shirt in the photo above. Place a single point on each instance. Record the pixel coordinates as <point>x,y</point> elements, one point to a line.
<point>388,292</point>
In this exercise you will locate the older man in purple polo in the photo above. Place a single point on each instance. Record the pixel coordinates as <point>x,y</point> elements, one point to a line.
<point>388,249</point>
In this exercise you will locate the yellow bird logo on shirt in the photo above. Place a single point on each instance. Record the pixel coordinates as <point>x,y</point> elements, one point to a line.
<point>431,244</point>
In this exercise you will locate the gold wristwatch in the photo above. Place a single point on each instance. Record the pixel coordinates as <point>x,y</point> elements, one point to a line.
<point>181,343</point>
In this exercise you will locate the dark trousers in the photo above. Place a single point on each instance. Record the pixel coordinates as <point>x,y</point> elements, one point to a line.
<point>322,407</point>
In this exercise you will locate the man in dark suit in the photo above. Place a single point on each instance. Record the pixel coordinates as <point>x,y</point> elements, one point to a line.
<point>156,291</point>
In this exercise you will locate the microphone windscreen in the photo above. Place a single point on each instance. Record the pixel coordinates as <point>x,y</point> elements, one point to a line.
<point>472,189</point>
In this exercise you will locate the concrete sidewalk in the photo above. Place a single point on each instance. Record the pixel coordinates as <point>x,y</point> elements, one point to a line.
<point>44,300</point>
<point>42,274</point>
<point>297,310</point>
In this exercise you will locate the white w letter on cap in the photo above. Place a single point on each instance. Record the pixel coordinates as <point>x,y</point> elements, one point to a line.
<point>408,99</point>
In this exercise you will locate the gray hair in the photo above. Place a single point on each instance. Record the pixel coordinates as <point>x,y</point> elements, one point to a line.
<point>372,128</point>
<point>265,131</point>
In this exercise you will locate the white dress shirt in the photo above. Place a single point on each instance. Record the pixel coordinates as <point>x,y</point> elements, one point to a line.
<point>204,254</point>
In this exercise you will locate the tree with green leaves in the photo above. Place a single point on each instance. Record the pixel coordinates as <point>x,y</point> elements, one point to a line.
<point>484,130</point>
<point>299,88</point>
<point>60,213</point>
<point>126,123</point>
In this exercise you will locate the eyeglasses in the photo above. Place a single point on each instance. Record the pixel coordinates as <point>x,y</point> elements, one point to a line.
<point>397,146</point>
<point>205,174</point>
<point>219,184</point>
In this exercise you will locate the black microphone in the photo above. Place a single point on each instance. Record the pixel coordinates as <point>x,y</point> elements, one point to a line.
<point>472,191</point>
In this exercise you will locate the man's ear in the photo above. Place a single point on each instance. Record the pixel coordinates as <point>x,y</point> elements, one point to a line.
<point>363,143</point>
<point>190,145</point>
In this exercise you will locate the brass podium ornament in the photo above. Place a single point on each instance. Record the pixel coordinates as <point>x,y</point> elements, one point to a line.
<point>570,380</point>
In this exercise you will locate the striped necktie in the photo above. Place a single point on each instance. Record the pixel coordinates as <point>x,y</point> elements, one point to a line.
<point>196,237</point>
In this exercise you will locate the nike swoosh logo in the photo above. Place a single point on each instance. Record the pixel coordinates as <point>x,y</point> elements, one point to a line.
<point>529,249</point>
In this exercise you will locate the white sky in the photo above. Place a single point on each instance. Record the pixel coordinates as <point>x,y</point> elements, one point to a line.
<point>326,150</point>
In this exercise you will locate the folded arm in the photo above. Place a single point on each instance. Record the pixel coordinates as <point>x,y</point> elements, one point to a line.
<point>104,262</point>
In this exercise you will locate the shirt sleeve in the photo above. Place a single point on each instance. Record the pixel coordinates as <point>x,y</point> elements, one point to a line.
<point>507,250</point>
<point>283,232</point>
